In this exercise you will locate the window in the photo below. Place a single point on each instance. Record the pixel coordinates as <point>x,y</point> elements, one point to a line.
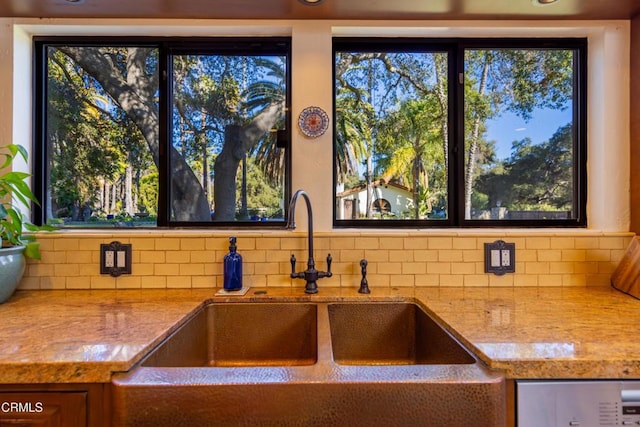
<point>464,132</point>
<point>163,132</point>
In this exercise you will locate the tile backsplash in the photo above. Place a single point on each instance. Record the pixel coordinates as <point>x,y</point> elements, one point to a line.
<point>193,259</point>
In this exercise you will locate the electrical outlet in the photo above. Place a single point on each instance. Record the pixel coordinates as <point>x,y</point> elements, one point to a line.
<point>109,259</point>
<point>115,259</point>
<point>499,257</point>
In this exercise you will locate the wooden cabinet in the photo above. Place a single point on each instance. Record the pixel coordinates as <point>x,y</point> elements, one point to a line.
<point>51,409</point>
<point>54,405</point>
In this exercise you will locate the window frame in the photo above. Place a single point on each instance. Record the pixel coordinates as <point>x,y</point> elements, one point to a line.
<point>455,47</point>
<point>166,46</point>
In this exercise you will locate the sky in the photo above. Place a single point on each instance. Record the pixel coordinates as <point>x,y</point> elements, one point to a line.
<point>509,127</point>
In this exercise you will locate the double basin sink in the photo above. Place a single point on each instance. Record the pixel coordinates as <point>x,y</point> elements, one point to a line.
<point>310,363</point>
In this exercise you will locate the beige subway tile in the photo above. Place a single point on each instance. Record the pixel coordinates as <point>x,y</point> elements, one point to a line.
<point>178,282</point>
<point>266,268</point>
<point>379,280</point>
<point>166,269</point>
<point>390,268</point>
<point>591,242</point>
<point>440,243</point>
<point>390,243</point>
<point>598,255</point>
<point>574,280</point>
<point>255,256</point>
<point>298,243</point>
<point>167,244</point>
<point>370,243</point>
<point>446,255</point>
<point>538,243</point>
<point>524,280</point>
<point>268,243</point>
<point>537,268</point>
<point>53,282</point>
<point>216,243</point>
<point>40,270</point>
<point>88,269</point>
<point>574,255</point>
<point>553,255</point>
<point>401,256</point>
<point>142,243</point>
<point>128,282</point>
<point>66,270</point>
<point>617,254</point>
<point>142,269</point>
<point>344,256</point>
<point>47,245</point>
<point>279,281</point>
<point>439,268</point>
<point>456,280</point>
<point>465,268</point>
<point>559,242</point>
<point>561,267</point>
<point>475,280</point>
<point>91,244</point>
<point>424,255</point>
<point>178,257</point>
<point>153,257</point>
<point>527,255</point>
<point>103,282</point>
<point>153,282</point>
<point>343,243</point>
<point>402,280</point>
<point>202,257</point>
<point>598,280</point>
<point>28,283</point>
<point>192,243</point>
<point>414,268</point>
<point>473,255</point>
<point>203,282</point>
<point>506,280</point>
<point>377,256</point>
<point>256,281</point>
<point>613,242</point>
<point>411,242</point>
<point>66,244</point>
<point>80,257</point>
<point>54,257</point>
<point>247,268</point>
<point>585,268</point>
<point>550,280</point>
<point>606,267</point>
<point>191,269</point>
<point>465,243</point>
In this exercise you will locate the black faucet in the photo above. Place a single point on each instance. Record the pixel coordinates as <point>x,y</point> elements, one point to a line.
<point>311,275</point>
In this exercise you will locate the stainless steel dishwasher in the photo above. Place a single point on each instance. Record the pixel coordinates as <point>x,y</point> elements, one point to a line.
<point>588,403</point>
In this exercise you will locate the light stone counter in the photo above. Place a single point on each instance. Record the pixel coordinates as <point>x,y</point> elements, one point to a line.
<point>85,336</point>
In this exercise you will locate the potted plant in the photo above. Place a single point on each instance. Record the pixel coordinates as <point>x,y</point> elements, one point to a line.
<point>15,244</point>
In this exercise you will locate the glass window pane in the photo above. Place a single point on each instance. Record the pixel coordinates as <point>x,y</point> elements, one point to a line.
<point>101,140</point>
<point>226,162</point>
<point>391,135</point>
<point>519,134</point>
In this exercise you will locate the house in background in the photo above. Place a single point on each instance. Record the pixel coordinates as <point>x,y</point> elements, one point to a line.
<point>389,199</point>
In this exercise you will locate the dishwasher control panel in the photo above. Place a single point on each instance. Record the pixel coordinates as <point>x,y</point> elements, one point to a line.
<point>592,403</point>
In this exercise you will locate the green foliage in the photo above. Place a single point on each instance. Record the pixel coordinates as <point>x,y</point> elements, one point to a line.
<point>12,221</point>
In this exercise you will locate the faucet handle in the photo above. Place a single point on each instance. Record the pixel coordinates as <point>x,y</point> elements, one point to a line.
<point>364,283</point>
<point>329,260</point>
<point>293,264</point>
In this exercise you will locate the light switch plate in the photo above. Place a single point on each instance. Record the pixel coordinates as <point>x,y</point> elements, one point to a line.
<point>499,257</point>
<point>115,258</point>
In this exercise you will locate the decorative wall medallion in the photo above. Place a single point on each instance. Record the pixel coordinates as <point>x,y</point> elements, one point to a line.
<point>313,122</point>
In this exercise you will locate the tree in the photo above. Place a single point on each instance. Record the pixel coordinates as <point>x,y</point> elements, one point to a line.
<point>130,77</point>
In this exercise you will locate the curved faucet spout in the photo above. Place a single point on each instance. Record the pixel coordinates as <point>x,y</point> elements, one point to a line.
<point>311,275</point>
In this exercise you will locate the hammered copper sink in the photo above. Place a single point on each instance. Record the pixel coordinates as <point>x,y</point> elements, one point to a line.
<point>310,364</point>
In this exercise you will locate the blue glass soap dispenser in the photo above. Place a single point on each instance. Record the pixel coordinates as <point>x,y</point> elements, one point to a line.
<point>232,268</point>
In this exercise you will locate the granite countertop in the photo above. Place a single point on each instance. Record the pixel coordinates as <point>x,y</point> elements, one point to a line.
<point>85,336</point>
